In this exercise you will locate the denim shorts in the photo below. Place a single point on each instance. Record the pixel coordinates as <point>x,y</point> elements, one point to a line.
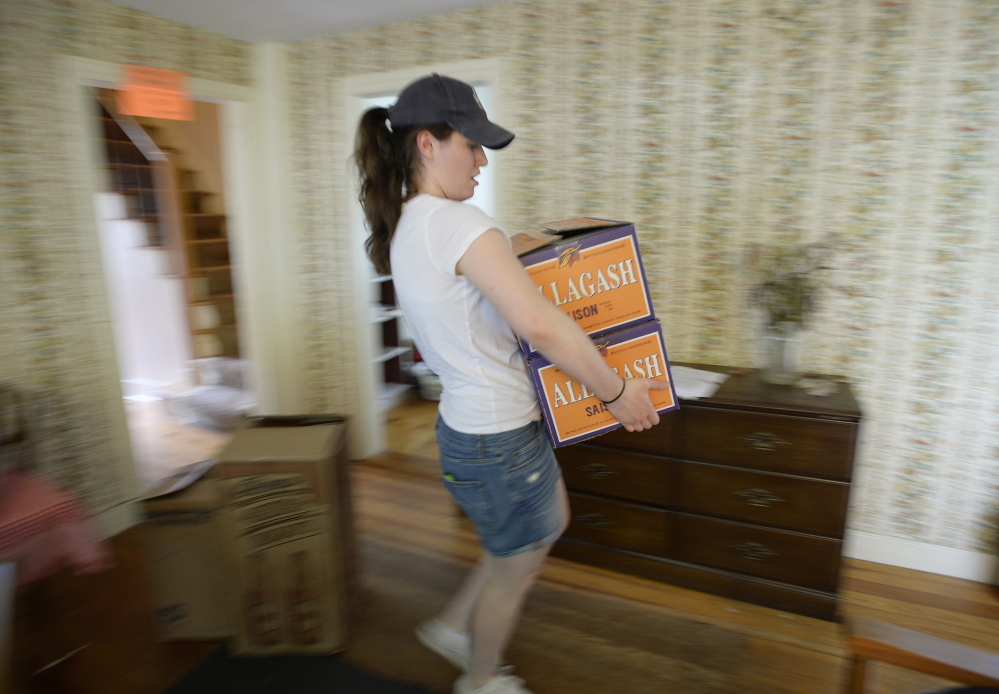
<point>506,484</point>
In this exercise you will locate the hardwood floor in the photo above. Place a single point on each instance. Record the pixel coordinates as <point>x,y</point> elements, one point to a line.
<point>585,630</point>
<point>161,443</point>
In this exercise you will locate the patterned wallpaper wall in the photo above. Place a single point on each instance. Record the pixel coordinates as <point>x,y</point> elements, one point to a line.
<point>55,339</point>
<point>718,124</point>
<point>711,125</point>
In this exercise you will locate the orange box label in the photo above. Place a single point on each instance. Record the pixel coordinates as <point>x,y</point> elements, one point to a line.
<point>599,287</point>
<point>574,412</point>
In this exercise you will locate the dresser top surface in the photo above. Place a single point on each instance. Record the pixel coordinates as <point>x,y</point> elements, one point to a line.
<point>744,390</point>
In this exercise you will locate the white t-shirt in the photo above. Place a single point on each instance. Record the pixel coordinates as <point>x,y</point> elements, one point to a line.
<point>462,337</point>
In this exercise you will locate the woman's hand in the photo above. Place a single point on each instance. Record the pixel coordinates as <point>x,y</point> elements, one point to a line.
<point>634,409</point>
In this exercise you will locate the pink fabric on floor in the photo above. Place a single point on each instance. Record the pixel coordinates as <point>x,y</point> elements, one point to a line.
<point>44,528</point>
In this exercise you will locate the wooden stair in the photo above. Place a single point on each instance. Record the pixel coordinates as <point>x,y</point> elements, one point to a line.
<point>133,171</point>
<point>181,216</point>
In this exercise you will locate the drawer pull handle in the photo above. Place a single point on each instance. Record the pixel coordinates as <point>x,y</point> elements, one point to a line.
<point>754,551</point>
<point>759,497</point>
<point>765,441</point>
<point>597,471</point>
<point>594,520</point>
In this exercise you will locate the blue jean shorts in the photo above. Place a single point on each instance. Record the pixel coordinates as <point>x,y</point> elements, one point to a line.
<point>506,484</point>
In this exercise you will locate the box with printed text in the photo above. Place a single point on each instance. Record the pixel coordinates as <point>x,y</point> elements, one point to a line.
<point>591,270</point>
<point>572,413</point>
<point>188,586</point>
<point>287,535</point>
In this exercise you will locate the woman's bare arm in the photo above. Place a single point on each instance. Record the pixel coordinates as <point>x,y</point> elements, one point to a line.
<point>492,267</point>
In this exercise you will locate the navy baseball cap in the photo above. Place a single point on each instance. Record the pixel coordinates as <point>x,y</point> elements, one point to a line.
<point>439,99</point>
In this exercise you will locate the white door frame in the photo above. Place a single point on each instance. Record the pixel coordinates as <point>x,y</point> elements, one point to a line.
<point>369,426</point>
<point>85,160</point>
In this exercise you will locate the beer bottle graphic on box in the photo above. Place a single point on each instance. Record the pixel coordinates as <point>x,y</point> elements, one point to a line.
<point>263,612</point>
<point>304,621</point>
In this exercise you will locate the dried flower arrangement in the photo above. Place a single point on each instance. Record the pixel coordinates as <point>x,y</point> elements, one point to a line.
<point>787,279</point>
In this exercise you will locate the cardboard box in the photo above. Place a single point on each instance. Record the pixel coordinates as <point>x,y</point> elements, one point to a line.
<point>187,582</point>
<point>574,414</point>
<point>595,276</point>
<point>288,535</point>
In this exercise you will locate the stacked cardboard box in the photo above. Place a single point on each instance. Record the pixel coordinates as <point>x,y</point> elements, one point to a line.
<point>260,549</point>
<point>188,588</point>
<point>287,535</point>
<point>592,270</point>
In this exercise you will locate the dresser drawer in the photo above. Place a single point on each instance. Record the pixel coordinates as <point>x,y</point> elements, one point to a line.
<point>619,525</point>
<point>804,560</point>
<point>615,473</point>
<point>772,442</point>
<point>662,439</point>
<point>795,503</point>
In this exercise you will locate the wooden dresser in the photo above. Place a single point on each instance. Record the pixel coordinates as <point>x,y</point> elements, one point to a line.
<point>743,495</point>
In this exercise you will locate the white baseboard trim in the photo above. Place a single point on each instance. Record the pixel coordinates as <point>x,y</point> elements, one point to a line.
<point>920,556</point>
<point>119,518</point>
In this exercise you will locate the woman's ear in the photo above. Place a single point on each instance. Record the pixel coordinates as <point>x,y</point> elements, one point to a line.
<point>425,142</point>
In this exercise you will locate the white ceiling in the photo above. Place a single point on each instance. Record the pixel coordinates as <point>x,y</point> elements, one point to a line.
<point>259,21</point>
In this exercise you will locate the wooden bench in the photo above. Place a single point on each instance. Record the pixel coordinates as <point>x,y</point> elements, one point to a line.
<point>871,639</point>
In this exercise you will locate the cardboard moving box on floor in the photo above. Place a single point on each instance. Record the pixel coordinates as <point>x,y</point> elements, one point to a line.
<point>182,535</point>
<point>288,535</point>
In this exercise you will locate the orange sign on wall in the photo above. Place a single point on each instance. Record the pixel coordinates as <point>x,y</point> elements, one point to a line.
<point>154,93</point>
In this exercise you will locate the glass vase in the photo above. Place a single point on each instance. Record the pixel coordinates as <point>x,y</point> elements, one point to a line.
<point>781,353</point>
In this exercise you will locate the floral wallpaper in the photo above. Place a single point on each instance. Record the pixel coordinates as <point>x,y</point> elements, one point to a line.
<point>712,125</point>
<point>55,337</point>
<point>720,124</point>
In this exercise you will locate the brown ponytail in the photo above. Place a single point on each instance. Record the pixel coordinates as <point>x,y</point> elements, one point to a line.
<point>387,166</point>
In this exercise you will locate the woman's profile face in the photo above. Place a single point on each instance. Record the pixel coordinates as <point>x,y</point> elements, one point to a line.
<point>457,161</point>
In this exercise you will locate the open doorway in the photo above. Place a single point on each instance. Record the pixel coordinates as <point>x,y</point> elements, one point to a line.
<point>169,271</point>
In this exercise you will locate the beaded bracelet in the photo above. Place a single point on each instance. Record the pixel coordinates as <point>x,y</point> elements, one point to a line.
<point>624,384</point>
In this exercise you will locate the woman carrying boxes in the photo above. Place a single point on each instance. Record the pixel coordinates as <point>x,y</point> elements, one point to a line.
<point>464,296</point>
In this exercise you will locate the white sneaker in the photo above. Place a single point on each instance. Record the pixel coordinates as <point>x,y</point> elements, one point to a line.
<point>502,683</point>
<point>445,642</point>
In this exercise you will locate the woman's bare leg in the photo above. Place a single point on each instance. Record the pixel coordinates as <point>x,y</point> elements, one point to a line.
<point>505,583</point>
<point>457,614</point>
